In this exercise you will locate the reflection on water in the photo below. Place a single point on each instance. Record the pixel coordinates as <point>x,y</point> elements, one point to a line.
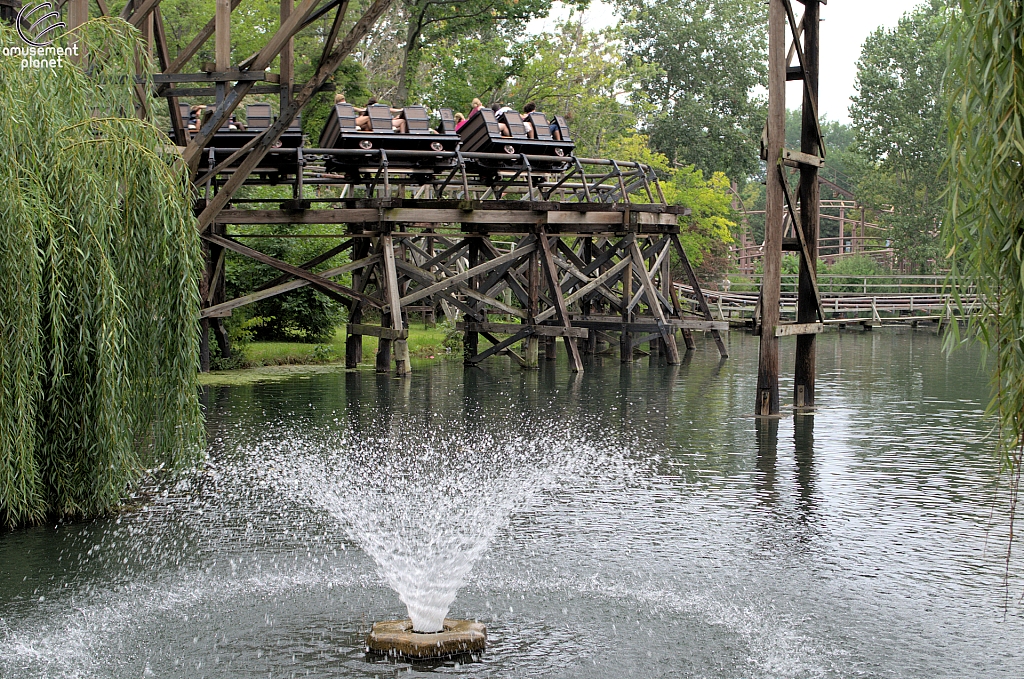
<point>863,540</point>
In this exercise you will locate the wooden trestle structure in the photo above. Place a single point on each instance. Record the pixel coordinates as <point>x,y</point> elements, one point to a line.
<point>518,268</point>
<point>528,252</point>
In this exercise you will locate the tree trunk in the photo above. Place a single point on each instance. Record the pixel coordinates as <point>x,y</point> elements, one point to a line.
<point>410,56</point>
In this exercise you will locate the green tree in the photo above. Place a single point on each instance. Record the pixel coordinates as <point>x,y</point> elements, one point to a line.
<point>99,262</point>
<point>705,233</point>
<point>427,22</point>
<point>898,115</point>
<point>984,232</point>
<point>710,56</point>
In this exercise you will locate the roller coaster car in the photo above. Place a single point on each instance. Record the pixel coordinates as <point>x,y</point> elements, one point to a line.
<point>420,142</point>
<point>482,134</point>
<point>274,167</point>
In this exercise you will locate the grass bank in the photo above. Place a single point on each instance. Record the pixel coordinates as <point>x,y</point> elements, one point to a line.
<point>277,360</point>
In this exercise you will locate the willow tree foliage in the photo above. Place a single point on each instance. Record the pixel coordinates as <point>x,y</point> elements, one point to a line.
<point>985,226</point>
<point>99,258</point>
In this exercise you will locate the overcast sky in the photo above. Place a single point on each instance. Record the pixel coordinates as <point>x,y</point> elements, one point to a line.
<point>846,23</point>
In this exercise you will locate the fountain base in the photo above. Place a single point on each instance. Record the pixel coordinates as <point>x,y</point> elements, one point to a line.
<point>395,637</point>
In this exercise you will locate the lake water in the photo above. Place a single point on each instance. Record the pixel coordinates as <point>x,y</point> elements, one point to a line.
<point>691,540</point>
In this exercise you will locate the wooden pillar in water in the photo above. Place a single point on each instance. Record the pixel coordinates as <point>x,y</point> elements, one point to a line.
<point>533,298</point>
<point>354,342</point>
<point>810,199</point>
<point>626,338</point>
<point>767,401</point>
<point>471,340</point>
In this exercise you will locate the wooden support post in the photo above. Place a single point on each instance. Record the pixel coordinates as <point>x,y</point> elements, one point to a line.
<point>78,14</point>
<point>287,58</point>
<point>626,338</point>
<point>471,340</point>
<point>767,398</point>
<point>810,200</point>
<point>533,299</point>
<point>401,346</point>
<point>354,343</point>
<point>222,42</point>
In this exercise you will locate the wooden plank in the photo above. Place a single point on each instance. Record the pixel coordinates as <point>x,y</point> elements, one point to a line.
<point>513,328</point>
<point>790,329</point>
<point>800,158</point>
<point>376,331</point>
<point>563,218</point>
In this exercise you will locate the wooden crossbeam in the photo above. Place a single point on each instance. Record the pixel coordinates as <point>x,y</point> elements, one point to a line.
<point>513,328</point>
<point>500,346</point>
<point>424,276</point>
<point>591,285</point>
<point>803,241</point>
<point>340,292</point>
<point>224,309</point>
<point>309,264</point>
<point>469,273</point>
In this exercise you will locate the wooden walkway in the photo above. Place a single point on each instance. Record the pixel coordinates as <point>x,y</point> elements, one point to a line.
<point>868,301</point>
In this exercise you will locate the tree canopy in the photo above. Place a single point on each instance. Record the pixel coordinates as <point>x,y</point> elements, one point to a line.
<point>897,113</point>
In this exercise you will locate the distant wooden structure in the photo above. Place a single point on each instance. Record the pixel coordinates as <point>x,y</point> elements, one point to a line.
<point>515,237</point>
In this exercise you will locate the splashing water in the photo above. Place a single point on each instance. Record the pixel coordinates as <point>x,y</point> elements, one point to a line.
<point>426,504</point>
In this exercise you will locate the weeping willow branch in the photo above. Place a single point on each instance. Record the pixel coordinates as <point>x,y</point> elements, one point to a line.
<point>985,228</point>
<point>99,258</point>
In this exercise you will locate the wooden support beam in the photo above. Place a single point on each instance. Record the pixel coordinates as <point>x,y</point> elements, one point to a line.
<point>402,366</point>
<point>548,264</point>
<point>328,286</point>
<point>222,35</point>
<point>808,298</point>
<point>767,399</point>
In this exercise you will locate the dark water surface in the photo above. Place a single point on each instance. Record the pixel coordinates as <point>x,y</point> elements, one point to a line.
<point>865,541</point>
